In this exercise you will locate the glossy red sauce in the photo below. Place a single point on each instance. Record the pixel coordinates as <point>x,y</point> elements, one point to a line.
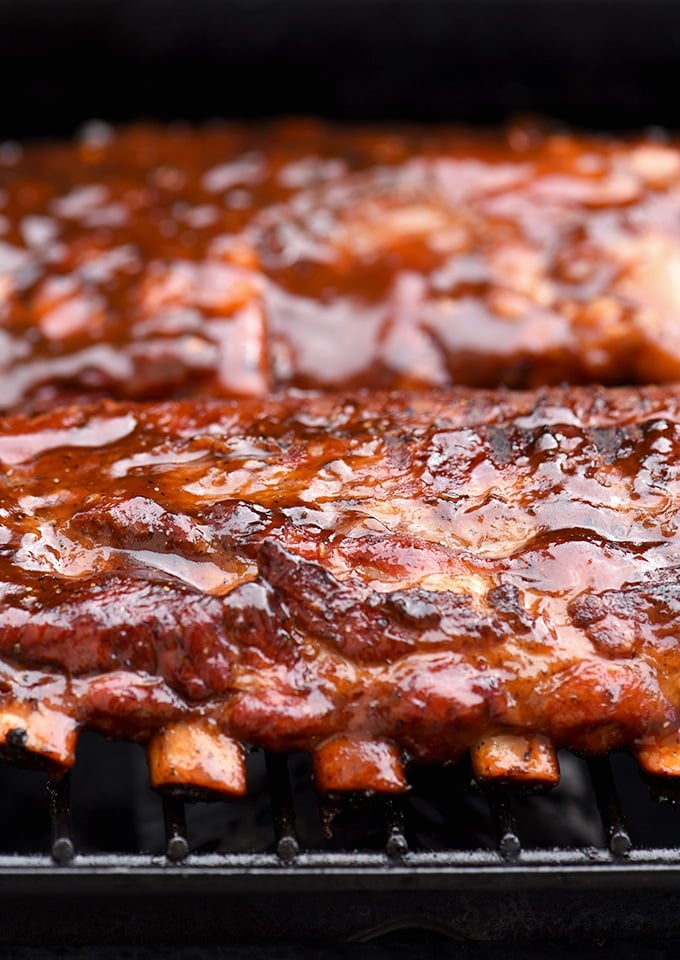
<point>424,570</point>
<point>238,260</point>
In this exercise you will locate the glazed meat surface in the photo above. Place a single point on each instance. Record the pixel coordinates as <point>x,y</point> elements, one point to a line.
<point>235,260</point>
<point>417,575</point>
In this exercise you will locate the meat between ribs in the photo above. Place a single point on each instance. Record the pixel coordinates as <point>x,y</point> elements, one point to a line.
<point>372,579</point>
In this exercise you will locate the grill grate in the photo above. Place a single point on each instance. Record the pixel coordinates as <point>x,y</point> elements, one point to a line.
<point>491,864</point>
<point>62,847</point>
<point>283,807</point>
<point>606,794</point>
<point>509,844</point>
<point>392,815</point>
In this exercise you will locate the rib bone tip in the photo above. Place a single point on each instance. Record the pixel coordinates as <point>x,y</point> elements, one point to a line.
<point>349,763</point>
<point>659,756</point>
<point>38,735</point>
<point>527,759</point>
<point>193,757</point>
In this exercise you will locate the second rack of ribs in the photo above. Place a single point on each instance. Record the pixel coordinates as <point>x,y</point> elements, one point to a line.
<point>240,260</point>
<point>352,575</point>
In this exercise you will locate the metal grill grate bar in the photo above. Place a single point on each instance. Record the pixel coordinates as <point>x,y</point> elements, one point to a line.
<point>359,813</point>
<point>396,844</point>
<point>62,847</point>
<point>606,795</point>
<point>176,838</point>
<point>283,808</point>
<point>507,838</point>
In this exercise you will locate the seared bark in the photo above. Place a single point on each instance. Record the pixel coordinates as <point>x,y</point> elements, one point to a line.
<point>457,568</point>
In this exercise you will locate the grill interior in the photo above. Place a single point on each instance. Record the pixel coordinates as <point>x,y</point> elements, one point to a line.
<point>447,857</point>
<point>602,811</point>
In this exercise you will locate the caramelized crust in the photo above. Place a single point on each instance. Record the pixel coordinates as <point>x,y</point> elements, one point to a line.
<point>355,575</point>
<point>239,260</point>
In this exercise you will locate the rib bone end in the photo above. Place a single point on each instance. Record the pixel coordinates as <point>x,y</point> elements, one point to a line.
<point>35,735</point>
<point>659,757</point>
<point>346,763</point>
<point>516,758</point>
<point>196,758</point>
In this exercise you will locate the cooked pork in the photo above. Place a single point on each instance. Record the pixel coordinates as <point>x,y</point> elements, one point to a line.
<point>238,260</point>
<point>371,577</point>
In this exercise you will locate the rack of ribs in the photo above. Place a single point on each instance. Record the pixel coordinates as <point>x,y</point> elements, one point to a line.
<point>239,260</point>
<point>373,578</point>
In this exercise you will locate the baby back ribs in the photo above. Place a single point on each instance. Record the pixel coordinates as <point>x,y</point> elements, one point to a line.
<point>371,579</point>
<point>239,260</point>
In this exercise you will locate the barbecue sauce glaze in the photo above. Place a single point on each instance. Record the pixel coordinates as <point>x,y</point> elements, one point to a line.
<point>425,570</point>
<point>367,575</point>
<point>239,260</point>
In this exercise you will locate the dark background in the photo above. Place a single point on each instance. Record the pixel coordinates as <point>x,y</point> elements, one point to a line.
<point>600,63</point>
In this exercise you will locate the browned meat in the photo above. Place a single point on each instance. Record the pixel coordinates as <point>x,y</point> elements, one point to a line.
<point>238,260</point>
<point>372,577</point>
